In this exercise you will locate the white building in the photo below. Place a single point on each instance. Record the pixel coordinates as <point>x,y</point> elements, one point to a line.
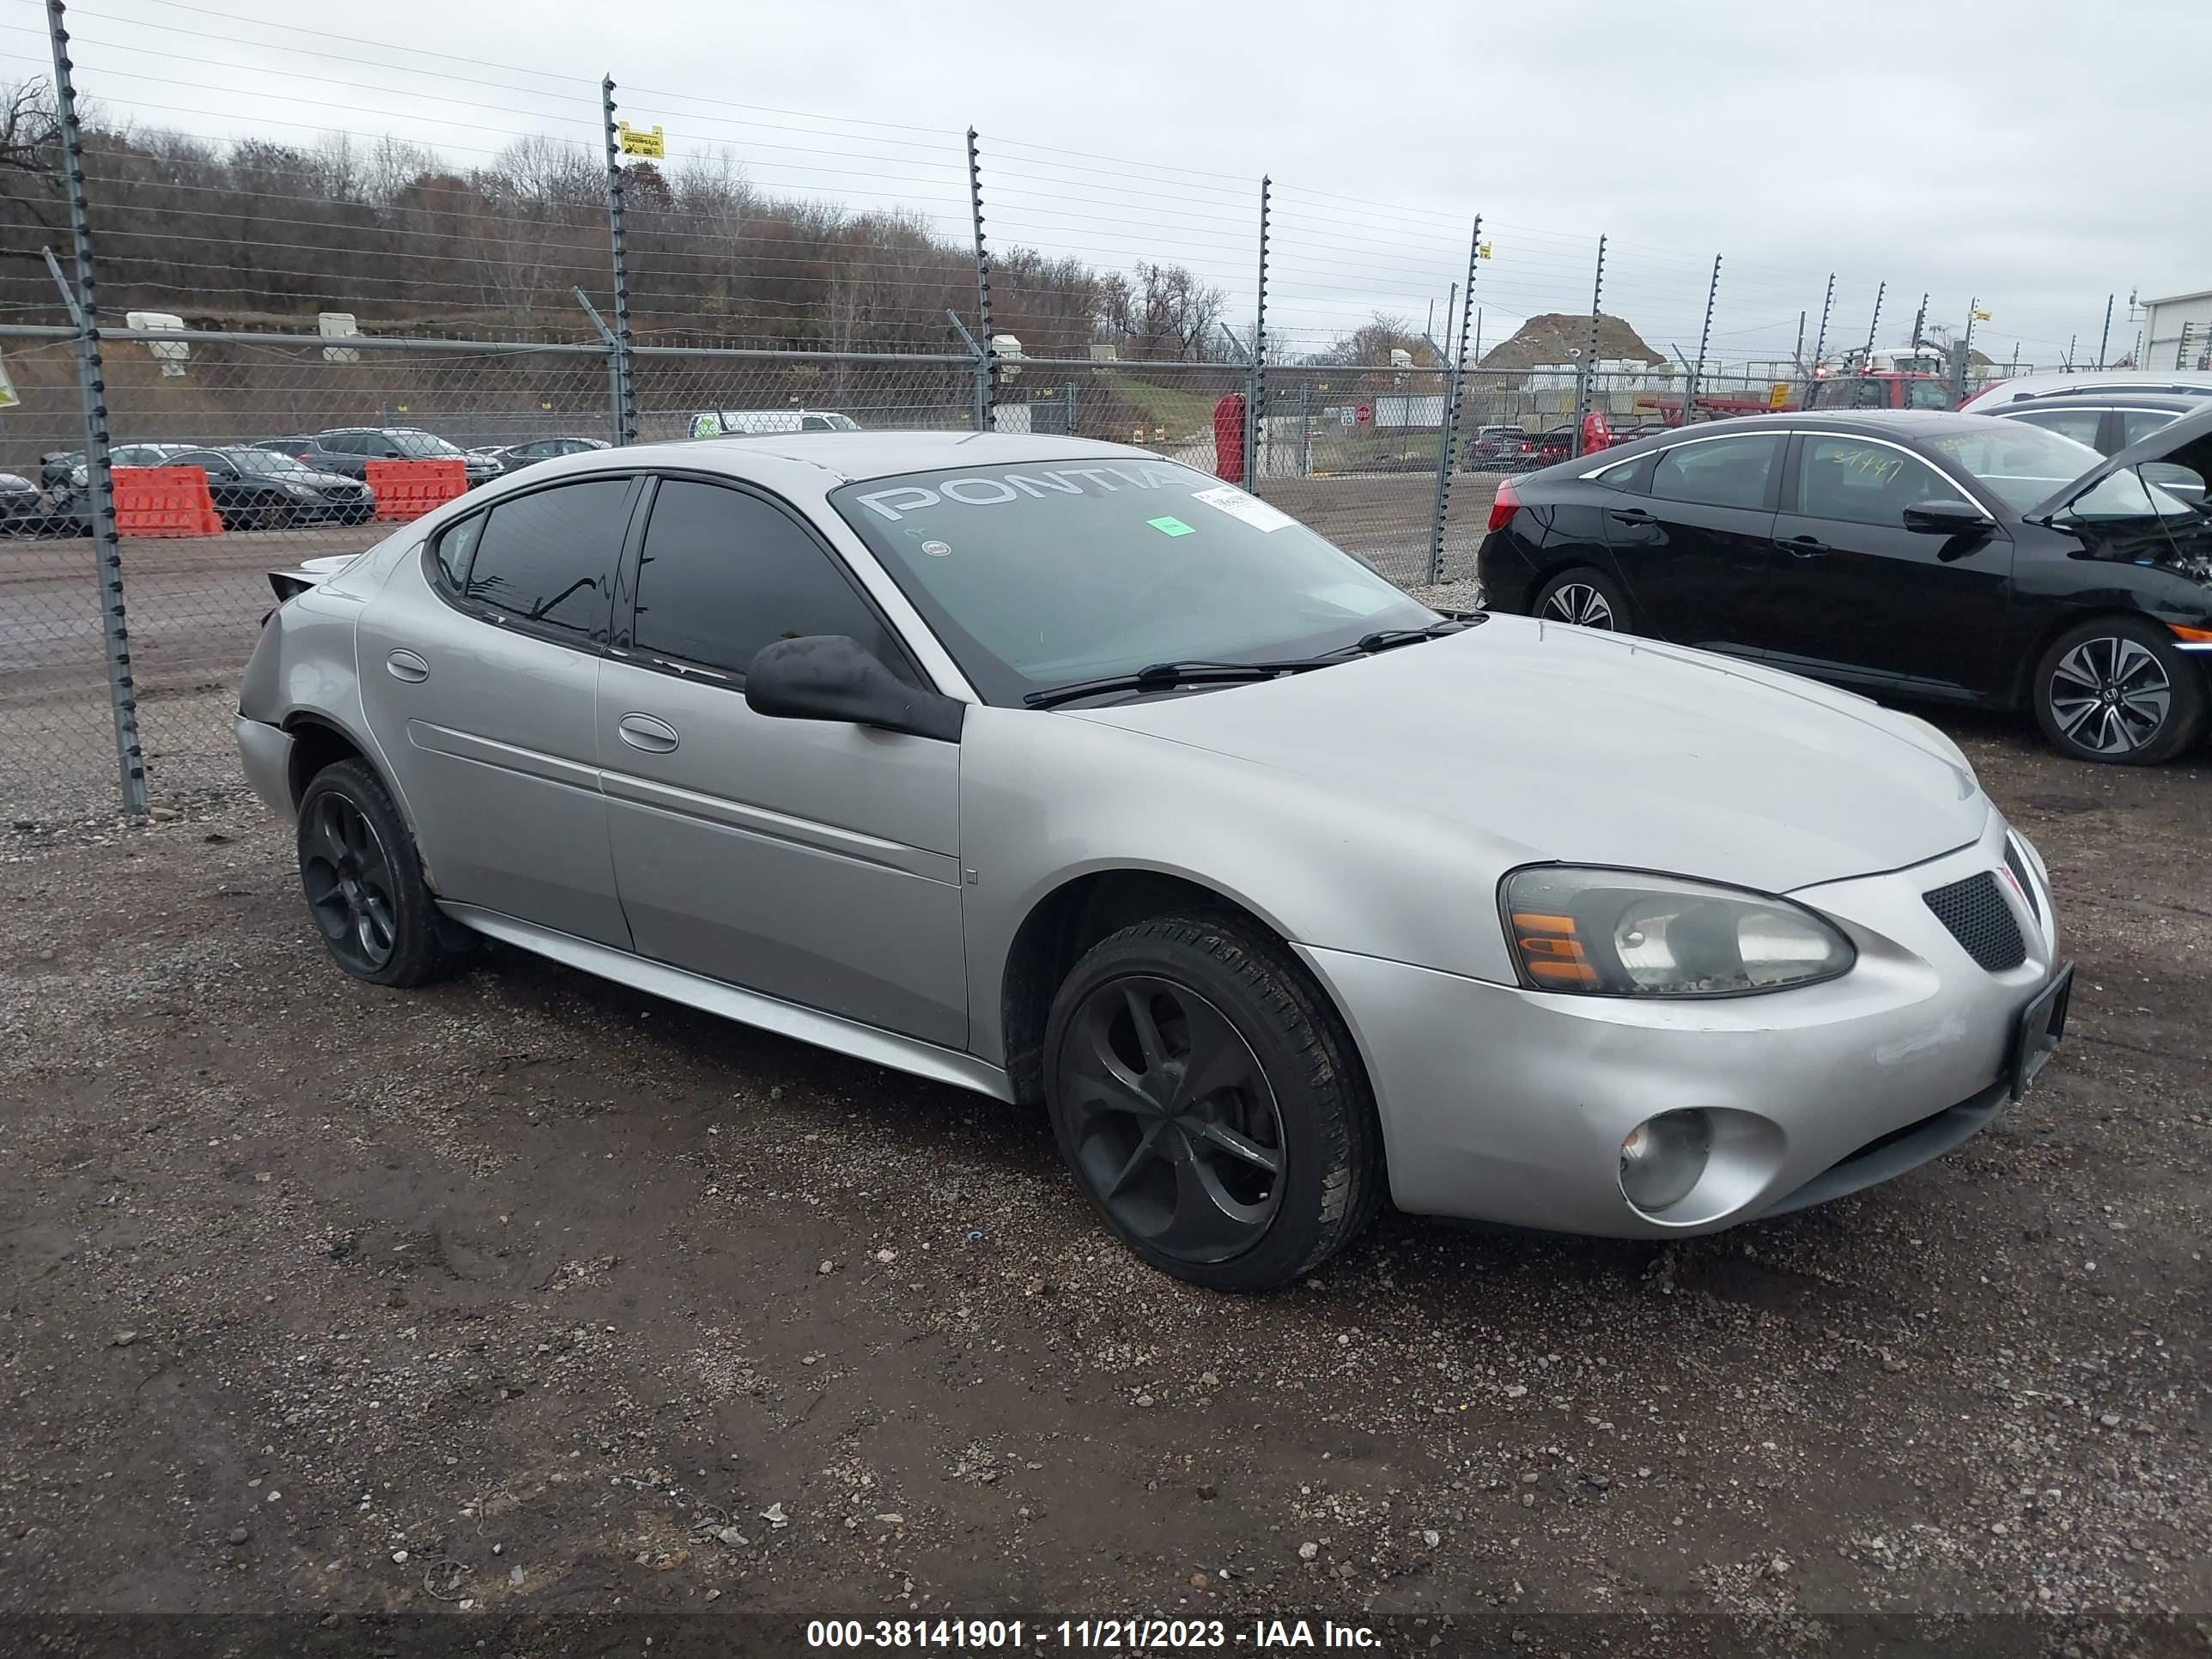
<point>2176,332</point>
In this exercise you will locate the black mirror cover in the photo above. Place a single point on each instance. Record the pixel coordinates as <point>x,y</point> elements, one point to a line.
<point>831,677</point>
<point>1945,518</point>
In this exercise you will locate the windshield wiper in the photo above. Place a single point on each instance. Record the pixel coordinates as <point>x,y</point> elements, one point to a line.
<point>1165,676</point>
<point>1385,638</point>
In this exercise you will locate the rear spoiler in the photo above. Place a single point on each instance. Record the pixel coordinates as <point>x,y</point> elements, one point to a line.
<point>308,572</point>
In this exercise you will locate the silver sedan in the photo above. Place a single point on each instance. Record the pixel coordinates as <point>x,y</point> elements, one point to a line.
<point>1059,771</point>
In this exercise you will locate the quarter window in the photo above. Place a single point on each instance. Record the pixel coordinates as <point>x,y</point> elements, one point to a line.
<point>2079,424</point>
<point>1863,483</point>
<point>1717,472</point>
<point>547,559</point>
<point>2136,424</point>
<point>724,573</point>
<point>1622,476</point>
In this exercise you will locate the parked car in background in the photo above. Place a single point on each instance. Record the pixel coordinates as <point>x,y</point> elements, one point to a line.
<point>1948,556</point>
<point>2179,382</point>
<point>261,489</point>
<point>1676,951</point>
<point>25,510</point>
<point>512,457</point>
<point>1499,449</point>
<point>348,450</point>
<point>118,455</point>
<point>2108,422</point>
<point>753,423</point>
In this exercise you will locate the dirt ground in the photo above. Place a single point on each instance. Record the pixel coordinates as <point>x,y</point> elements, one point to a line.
<point>529,1299</point>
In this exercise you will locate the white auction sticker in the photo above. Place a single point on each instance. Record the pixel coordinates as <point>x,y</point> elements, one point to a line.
<point>1238,505</point>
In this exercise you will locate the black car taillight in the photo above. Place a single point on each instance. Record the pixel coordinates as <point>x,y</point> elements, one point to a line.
<point>1503,506</point>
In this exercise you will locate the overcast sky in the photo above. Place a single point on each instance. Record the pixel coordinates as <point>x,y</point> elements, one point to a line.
<point>2034,155</point>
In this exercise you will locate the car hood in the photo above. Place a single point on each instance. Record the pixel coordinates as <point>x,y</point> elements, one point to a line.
<point>2186,442</point>
<point>1561,744</point>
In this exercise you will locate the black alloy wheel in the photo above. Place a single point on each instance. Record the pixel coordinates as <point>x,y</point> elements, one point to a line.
<point>1172,1121</point>
<point>1585,597</point>
<point>2116,690</point>
<point>1211,1104</point>
<point>363,882</point>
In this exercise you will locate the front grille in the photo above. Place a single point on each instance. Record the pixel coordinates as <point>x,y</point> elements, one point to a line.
<point>2018,865</point>
<point>1979,919</point>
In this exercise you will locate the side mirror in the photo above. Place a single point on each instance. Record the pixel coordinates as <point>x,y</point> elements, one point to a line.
<point>1946,517</point>
<point>829,676</point>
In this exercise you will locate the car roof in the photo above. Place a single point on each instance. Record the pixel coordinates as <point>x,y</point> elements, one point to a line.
<point>2166,400</point>
<point>1902,422</point>
<point>856,455</point>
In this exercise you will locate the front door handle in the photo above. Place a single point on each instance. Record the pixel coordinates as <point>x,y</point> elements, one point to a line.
<point>655,737</point>
<point>406,665</point>
<point>1631,515</point>
<point>1805,547</point>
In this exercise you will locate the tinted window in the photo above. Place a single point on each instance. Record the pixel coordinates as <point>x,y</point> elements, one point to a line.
<point>1864,482</point>
<point>548,558</point>
<point>2079,424</point>
<point>454,546</point>
<point>725,573</point>
<point>206,459</point>
<point>2137,424</point>
<point>1622,476</point>
<point>1719,472</point>
<point>345,443</point>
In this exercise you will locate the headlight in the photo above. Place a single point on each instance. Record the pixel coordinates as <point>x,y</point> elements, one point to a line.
<point>303,493</point>
<point>1624,933</point>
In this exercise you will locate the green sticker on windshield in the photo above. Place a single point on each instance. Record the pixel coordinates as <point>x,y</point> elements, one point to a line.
<point>1171,526</point>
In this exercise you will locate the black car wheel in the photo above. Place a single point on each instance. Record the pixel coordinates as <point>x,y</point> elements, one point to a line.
<point>2115,689</point>
<point>1585,597</point>
<point>364,883</point>
<point>1211,1104</point>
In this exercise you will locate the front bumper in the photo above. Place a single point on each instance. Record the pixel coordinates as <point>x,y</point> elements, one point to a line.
<point>1508,1105</point>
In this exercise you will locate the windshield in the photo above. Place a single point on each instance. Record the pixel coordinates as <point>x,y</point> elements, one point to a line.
<point>260,460</point>
<point>1039,576</point>
<point>420,443</point>
<point>2019,463</point>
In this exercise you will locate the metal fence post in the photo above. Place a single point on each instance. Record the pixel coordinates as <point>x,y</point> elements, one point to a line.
<point>983,388</point>
<point>1821,340</point>
<point>2106,338</point>
<point>92,383</point>
<point>1874,323</point>
<point>1448,434</point>
<point>1919,323</point>
<point>1586,382</point>
<point>1704,340</point>
<point>1962,366</point>
<point>1256,381</point>
<point>622,389</point>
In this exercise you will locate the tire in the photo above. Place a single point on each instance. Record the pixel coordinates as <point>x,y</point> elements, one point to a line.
<point>1257,1181</point>
<point>2115,691</point>
<point>1586,596</point>
<point>363,882</point>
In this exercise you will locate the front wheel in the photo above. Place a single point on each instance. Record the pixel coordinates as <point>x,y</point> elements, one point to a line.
<point>2114,689</point>
<point>364,883</point>
<point>1211,1104</point>
<point>1586,596</point>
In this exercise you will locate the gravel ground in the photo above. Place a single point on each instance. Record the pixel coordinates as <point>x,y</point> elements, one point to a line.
<point>539,1298</point>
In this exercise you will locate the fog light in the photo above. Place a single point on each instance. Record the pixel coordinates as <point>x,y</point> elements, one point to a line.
<point>1662,1158</point>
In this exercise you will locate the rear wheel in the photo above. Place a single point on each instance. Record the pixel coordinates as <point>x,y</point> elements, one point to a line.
<point>1586,596</point>
<point>1211,1104</point>
<point>2115,689</point>
<point>364,883</point>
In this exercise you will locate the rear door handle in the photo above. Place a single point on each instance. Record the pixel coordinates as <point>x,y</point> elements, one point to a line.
<point>1805,547</point>
<point>655,737</point>
<point>1631,514</point>
<point>406,665</point>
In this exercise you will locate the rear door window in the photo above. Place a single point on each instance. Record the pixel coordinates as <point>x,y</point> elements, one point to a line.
<point>546,561</point>
<point>2079,424</point>
<point>2136,424</point>
<point>1718,471</point>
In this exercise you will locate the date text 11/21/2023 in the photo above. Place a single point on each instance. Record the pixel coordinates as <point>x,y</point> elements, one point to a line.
<point>978,1635</point>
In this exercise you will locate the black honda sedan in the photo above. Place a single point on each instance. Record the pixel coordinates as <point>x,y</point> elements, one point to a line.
<point>1903,553</point>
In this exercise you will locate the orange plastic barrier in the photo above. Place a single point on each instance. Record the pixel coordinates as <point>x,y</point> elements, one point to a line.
<point>408,490</point>
<point>164,501</point>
